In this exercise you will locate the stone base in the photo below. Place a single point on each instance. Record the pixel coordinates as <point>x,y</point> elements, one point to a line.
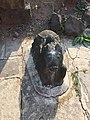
<point>68,94</point>
<point>15,16</point>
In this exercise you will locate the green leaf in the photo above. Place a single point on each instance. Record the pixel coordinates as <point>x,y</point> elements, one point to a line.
<point>77,40</point>
<point>86,39</point>
<point>86,44</point>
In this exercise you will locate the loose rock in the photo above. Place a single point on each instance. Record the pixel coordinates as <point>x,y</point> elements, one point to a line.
<point>86,17</point>
<point>86,33</point>
<point>73,26</point>
<point>55,22</point>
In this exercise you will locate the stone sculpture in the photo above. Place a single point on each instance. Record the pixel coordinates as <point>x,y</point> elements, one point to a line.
<point>48,58</point>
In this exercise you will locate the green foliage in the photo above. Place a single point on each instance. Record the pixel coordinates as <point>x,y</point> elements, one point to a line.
<point>81,6</point>
<point>85,40</point>
<point>77,40</point>
<point>76,83</point>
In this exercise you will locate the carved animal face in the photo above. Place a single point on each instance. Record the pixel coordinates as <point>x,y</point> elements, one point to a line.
<point>53,56</point>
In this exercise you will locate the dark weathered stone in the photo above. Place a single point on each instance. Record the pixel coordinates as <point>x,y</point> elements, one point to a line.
<point>86,17</point>
<point>47,79</point>
<point>48,58</point>
<point>35,106</point>
<point>9,98</point>
<point>13,12</point>
<point>6,69</point>
<point>2,47</point>
<point>41,13</point>
<point>86,33</point>
<point>73,26</point>
<point>10,17</point>
<point>12,47</point>
<point>46,91</point>
<point>11,4</point>
<point>55,23</point>
<point>81,6</point>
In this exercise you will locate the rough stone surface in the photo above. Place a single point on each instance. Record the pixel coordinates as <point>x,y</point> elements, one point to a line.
<point>34,106</point>
<point>13,48</point>
<point>15,16</point>
<point>9,99</point>
<point>36,82</point>
<point>86,33</point>
<point>2,47</point>
<point>41,13</point>
<point>57,4</point>
<point>10,67</point>
<point>86,17</point>
<point>85,90</point>
<point>73,26</point>
<point>40,58</point>
<point>69,110</point>
<point>84,53</point>
<point>81,64</point>
<point>27,44</point>
<point>55,23</point>
<point>38,107</point>
<point>80,59</point>
<point>11,4</point>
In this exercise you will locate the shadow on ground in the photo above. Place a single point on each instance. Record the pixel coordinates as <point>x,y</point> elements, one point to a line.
<point>35,106</point>
<point>32,105</point>
<point>11,39</point>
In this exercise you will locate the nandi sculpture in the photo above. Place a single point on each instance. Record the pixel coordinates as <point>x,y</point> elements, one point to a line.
<point>48,58</point>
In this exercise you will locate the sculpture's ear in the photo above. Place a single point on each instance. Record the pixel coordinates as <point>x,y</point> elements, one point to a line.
<point>38,43</point>
<point>58,48</point>
<point>38,40</point>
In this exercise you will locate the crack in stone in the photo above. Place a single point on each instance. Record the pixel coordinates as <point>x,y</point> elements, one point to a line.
<point>84,58</point>
<point>10,77</point>
<point>85,87</point>
<point>21,106</point>
<point>85,110</point>
<point>71,56</point>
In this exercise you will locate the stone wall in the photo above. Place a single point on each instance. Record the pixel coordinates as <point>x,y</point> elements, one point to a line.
<point>11,4</point>
<point>41,10</point>
<point>13,12</point>
<point>57,4</point>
